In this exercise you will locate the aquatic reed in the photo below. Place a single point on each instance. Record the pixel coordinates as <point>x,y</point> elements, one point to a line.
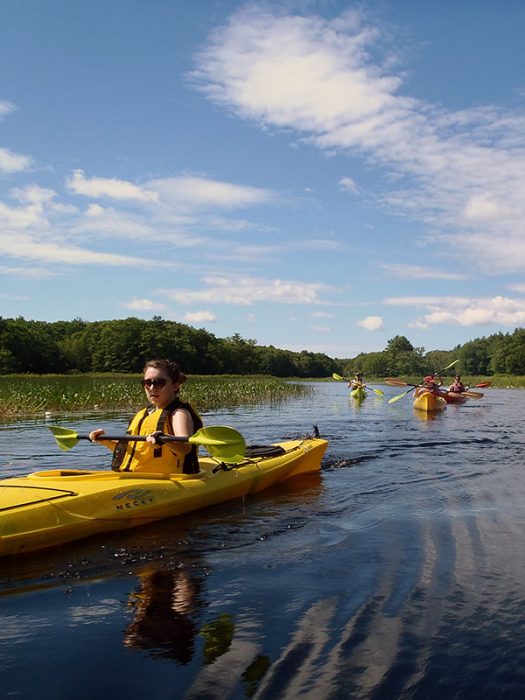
<point>32,395</point>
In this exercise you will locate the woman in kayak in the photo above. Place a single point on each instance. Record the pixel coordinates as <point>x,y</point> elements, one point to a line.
<point>457,387</point>
<point>165,413</point>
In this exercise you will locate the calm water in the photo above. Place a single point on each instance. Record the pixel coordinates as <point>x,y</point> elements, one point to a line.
<point>399,572</point>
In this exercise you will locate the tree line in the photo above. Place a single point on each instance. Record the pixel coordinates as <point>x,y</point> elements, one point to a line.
<point>125,345</point>
<point>501,353</point>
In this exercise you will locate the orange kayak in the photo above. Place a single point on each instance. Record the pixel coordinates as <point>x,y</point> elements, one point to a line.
<point>454,397</point>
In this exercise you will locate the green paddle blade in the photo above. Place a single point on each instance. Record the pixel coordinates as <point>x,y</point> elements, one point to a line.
<point>399,396</point>
<point>223,443</point>
<point>65,437</point>
<point>339,378</point>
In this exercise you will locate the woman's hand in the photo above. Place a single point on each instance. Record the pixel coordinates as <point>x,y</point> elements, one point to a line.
<point>153,437</point>
<point>94,434</point>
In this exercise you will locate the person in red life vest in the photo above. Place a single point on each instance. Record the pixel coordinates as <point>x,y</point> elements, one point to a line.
<point>430,383</point>
<point>166,414</point>
<point>457,387</point>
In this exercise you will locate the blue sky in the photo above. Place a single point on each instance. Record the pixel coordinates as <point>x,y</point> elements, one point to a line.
<point>312,175</point>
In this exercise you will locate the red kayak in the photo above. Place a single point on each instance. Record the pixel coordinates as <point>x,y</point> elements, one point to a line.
<point>453,397</point>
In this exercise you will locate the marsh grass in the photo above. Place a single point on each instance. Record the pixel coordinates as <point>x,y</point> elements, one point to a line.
<point>33,395</point>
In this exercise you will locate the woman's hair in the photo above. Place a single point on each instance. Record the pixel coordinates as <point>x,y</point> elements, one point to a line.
<point>171,368</point>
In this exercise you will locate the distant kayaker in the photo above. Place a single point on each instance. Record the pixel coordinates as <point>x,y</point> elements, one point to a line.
<point>430,383</point>
<point>165,413</point>
<point>457,387</point>
<point>356,381</point>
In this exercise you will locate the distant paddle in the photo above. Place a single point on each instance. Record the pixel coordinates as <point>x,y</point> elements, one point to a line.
<point>400,382</point>
<point>339,378</point>
<point>440,371</point>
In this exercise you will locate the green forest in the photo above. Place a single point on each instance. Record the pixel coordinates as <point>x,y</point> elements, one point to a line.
<point>124,345</point>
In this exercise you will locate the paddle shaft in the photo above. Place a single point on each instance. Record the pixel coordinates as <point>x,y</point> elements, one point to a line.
<point>134,438</point>
<point>440,371</point>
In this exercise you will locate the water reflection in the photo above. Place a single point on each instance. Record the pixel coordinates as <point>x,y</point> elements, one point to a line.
<point>165,607</point>
<point>427,416</point>
<point>168,622</point>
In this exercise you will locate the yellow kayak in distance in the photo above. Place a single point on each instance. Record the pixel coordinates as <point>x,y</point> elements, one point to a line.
<point>359,393</point>
<point>427,401</point>
<point>49,508</point>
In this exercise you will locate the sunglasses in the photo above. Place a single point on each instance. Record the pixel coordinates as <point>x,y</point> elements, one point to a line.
<point>159,383</point>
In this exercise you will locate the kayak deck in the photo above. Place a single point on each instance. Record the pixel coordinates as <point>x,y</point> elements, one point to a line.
<point>359,393</point>
<point>48,508</point>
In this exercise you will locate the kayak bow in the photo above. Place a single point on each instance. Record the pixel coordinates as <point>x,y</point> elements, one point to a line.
<point>427,401</point>
<point>359,393</point>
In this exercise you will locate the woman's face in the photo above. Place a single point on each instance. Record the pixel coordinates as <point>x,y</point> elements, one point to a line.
<point>160,389</point>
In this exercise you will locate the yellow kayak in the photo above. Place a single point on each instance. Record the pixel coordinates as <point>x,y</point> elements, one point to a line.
<point>49,508</point>
<point>427,401</point>
<point>359,393</point>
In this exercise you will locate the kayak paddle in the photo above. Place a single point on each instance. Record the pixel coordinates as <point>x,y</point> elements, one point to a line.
<point>223,443</point>
<point>338,378</point>
<point>400,396</point>
<point>471,394</point>
<point>483,385</point>
<point>400,382</point>
<point>440,371</point>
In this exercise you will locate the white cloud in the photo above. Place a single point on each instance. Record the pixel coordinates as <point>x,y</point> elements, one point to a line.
<point>245,291</point>
<point>12,297</point>
<point>13,162</point>
<point>20,218</point>
<point>322,314</point>
<point>190,192</point>
<point>26,247</point>
<point>371,323</point>
<point>465,312</point>
<point>346,184</point>
<point>26,272</point>
<point>419,272</point>
<point>142,305</point>
<point>425,301</point>
<point>289,70</point>
<point>111,188</point>
<point>481,207</point>
<point>323,78</point>
<point>199,317</point>
<point>6,108</point>
<point>246,253</point>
